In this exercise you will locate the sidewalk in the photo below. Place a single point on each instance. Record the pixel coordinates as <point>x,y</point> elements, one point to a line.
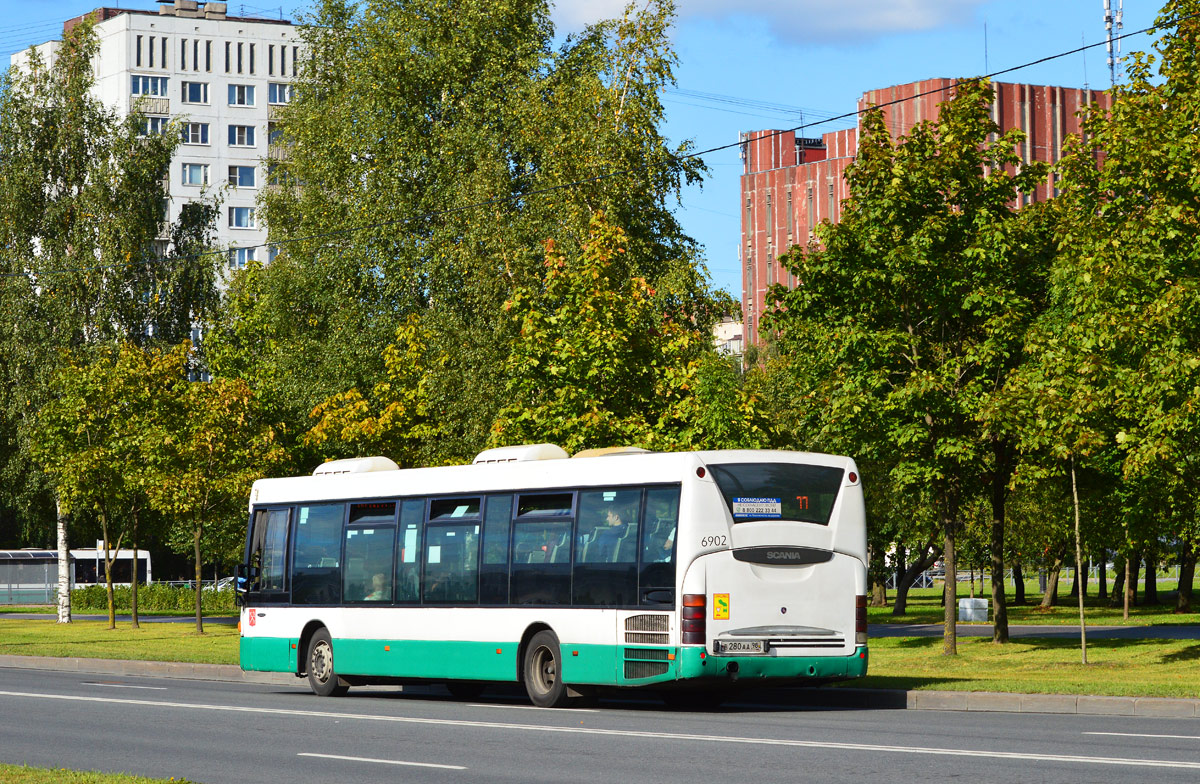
<point>830,698</point>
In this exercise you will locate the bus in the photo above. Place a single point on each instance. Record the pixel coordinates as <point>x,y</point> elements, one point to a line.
<point>30,576</point>
<point>677,572</point>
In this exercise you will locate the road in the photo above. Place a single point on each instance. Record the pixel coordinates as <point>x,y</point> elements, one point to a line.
<point>225,733</point>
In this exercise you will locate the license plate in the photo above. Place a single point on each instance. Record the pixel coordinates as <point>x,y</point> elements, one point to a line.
<point>740,646</point>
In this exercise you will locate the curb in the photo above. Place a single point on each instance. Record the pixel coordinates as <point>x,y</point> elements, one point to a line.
<point>831,698</point>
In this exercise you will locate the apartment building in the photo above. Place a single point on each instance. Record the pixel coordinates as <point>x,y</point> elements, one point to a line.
<point>222,78</point>
<point>790,184</point>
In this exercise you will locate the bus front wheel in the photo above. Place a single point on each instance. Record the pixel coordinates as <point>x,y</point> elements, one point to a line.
<point>322,678</point>
<point>543,671</point>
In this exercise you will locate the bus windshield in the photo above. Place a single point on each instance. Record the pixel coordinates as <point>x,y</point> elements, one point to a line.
<point>778,491</point>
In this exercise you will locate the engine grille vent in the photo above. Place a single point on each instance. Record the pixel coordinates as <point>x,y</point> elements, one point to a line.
<point>647,623</point>
<point>642,669</point>
<point>641,638</point>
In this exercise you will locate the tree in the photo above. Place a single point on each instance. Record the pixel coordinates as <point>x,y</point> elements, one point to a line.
<point>81,194</point>
<point>917,303</point>
<point>216,442</point>
<point>94,438</point>
<point>433,150</point>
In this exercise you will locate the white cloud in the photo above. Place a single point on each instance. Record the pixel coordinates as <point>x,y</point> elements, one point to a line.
<point>795,20</point>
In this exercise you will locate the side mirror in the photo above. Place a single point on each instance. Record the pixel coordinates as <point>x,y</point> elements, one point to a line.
<point>244,578</point>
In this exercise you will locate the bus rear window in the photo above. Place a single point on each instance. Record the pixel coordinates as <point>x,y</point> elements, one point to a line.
<point>778,491</point>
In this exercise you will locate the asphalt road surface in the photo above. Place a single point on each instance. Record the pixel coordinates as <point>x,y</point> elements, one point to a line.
<point>225,733</point>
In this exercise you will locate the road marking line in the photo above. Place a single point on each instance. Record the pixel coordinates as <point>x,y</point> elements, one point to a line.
<point>1145,735</point>
<point>526,707</point>
<point>124,686</point>
<point>658,736</point>
<point>382,761</point>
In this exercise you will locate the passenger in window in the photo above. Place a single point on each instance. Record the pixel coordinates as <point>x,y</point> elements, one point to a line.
<point>660,548</point>
<point>609,536</point>
<point>379,588</point>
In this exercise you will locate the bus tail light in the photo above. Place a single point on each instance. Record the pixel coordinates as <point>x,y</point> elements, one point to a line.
<point>860,620</point>
<point>693,624</point>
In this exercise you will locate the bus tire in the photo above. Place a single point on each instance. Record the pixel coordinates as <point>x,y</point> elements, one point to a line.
<point>542,670</point>
<point>322,678</point>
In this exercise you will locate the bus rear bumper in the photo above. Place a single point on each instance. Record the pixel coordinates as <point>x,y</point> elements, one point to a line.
<point>696,663</point>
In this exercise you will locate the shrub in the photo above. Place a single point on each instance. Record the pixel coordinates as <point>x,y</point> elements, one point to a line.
<point>156,597</point>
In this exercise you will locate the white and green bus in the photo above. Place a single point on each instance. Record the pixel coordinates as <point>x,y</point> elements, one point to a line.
<point>673,571</point>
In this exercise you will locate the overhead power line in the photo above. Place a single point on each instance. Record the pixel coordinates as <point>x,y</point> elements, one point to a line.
<point>608,175</point>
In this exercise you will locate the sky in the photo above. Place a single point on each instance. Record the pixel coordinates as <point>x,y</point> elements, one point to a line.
<point>749,65</point>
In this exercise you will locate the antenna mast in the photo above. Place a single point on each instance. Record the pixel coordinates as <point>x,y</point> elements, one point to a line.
<point>1111,19</point>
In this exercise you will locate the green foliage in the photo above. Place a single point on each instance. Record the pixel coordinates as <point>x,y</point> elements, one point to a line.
<point>427,149</point>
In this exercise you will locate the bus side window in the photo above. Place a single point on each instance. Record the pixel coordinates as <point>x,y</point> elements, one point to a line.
<point>408,560</point>
<point>493,572</point>
<point>659,541</point>
<point>316,567</point>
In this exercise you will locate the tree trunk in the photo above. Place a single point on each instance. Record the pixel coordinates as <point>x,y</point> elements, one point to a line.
<point>64,565</point>
<point>1132,562</point>
<point>1079,565</point>
<point>109,557</point>
<point>1103,575</point>
<point>199,580</point>
<point>1018,584</point>
<point>133,585</point>
<point>1074,589</point>
<point>1187,575</point>
<point>905,579</point>
<point>876,575</point>
<point>950,593</point>
<point>1151,577</point>
<point>999,605</point>
<point>1050,596</point>
<point>1116,597</point>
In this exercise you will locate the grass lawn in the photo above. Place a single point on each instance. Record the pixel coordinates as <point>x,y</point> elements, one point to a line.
<point>93,639</point>
<point>1130,668</point>
<point>19,774</point>
<point>924,606</point>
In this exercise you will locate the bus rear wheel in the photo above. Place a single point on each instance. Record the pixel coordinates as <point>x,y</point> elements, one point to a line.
<point>322,678</point>
<point>542,669</point>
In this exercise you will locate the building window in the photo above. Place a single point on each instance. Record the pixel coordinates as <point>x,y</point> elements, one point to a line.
<point>195,92</point>
<point>274,134</point>
<point>283,61</point>
<point>251,59</point>
<point>770,220</point>
<point>228,62</point>
<point>812,209</point>
<point>241,176</point>
<point>153,125</point>
<point>195,174</point>
<point>208,56</point>
<point>239,62</point>
<point>241,135</point>
<point>148,85</point>
<point>241,217</point>
<point>832,203</point>
<point>183,54</point>
<point>270,60</point>
<point>240,257</point>
<point>150,49</point>
<point>279,93</point>
<point>163,43</point>
<point>137,58</point>
<point>295,58</point>
<point>791,221</point>
<point>241,95</point>
<point>195,133</point>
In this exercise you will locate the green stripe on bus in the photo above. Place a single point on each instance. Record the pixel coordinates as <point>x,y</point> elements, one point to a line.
<point>581,664</point>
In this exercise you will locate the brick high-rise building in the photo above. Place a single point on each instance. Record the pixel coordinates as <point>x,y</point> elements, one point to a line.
<point>790,184</point>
